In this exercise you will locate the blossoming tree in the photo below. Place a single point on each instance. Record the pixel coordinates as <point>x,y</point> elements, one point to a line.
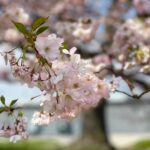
<point>70,84</point>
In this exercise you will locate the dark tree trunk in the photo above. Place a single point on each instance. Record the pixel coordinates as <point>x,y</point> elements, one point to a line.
<point>100,114</point>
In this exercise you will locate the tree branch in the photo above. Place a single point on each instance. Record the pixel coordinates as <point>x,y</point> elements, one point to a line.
<point>134,96</point>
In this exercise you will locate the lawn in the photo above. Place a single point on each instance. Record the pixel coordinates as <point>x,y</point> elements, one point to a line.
<point>30,145</point>
<point>141,145</point>
<point>53,145</point>
<point>41,145</point>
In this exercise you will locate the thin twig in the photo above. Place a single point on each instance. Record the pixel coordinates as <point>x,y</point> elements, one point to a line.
<point>134,96</point>
<point>124,93</point>
<point>143,93</point>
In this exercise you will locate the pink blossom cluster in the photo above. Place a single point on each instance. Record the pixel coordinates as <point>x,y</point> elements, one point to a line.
<point>17,131</point>
<point>12,11</point>
<point>68,81</point>
<point>18,13</point>
<point>142,6</point>
<point>132,45</point>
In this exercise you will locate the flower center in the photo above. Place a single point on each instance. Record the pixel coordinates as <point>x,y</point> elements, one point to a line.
<point>47,49</point>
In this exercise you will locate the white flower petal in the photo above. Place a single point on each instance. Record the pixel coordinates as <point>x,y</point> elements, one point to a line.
<point>73,50</point>
<point>65,51</point>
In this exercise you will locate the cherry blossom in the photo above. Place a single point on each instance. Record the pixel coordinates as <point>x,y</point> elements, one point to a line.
<point>67,79</point>
<point>49,46</point>
<point>131,44</point>
<point>142,6</point>
<point>17,131</point>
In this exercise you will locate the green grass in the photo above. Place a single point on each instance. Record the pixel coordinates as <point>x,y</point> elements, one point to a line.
<point>85,148</point>
<point>53,145</point>
<point>30,145</point>
<point>141,145</point>
<point>42,145</point>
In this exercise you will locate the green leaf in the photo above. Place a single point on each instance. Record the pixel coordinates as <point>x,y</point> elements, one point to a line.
<point>13,102</point>
<point>20,114</point>
<point>64,46</point>
<point>2,99</point>
<point>2,110</point>
<point>38,22</point>
<point>41,29</point>
<point>20,27</point>
<point>23,53</point>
